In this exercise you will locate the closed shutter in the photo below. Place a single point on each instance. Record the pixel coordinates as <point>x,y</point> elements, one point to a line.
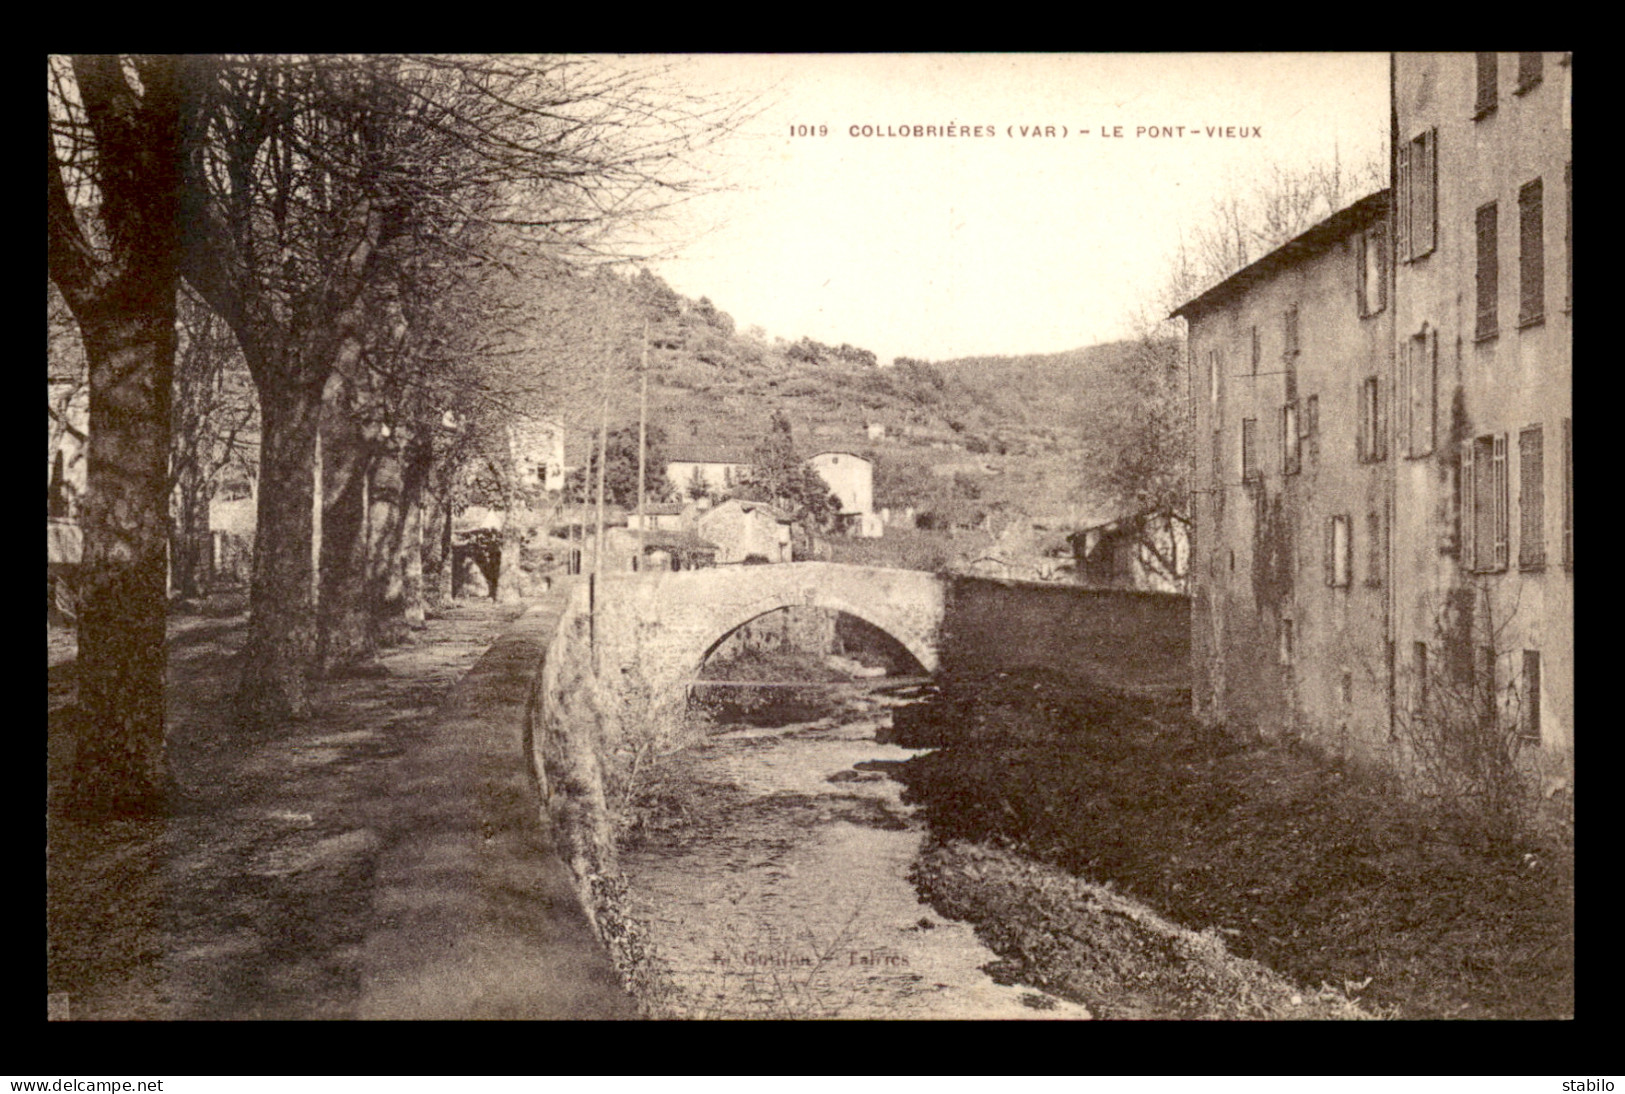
<point>1568,494</point>
<point>1361,275</point>
<point>1489,271</point>
<point>1423,192</point>
<point>1429,404</point>
<point>1531,499</point>
<point>1499,498</point>
<point>1402,204</point>
<point>1531,254</point>
<point>1466,516</point>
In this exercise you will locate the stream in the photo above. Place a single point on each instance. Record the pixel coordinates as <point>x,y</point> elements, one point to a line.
<point>772,881</point>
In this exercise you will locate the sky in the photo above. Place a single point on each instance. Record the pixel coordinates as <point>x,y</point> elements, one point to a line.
<point>943,246</point>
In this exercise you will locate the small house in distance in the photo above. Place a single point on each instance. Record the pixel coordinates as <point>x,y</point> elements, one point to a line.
<point>850,478</point>
<point>715,467</point>
<point>743,529</point>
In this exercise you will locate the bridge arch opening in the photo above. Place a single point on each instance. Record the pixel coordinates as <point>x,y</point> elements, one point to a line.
<point>822,625</point>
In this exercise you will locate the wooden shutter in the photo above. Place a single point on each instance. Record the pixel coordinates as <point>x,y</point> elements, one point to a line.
<point>1498,462</point>
<point>1531,254</point>
<point>1531,498</point>
<point>1331,550</point>
<point>1568,494</point>
<point>1484,102</point>
<point>1402,203</point>
<point>1489,270</point>
<point>1425,183</point>
<point>1360,275</point>
<point>1466,515</point>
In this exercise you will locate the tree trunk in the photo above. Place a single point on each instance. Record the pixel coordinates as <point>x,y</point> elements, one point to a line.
<point>386,526</point>
<point>281,648</point>
<point>445,583</point>
<point>345,632</point>
<point>122,655</point>
<point>509,576</point>
<point>189,541</point>
<point>414,494</point>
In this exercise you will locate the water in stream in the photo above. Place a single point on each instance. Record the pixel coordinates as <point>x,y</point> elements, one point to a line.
<point>773,882</point>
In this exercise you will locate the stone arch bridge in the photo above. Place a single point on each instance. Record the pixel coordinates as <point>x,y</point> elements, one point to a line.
<point>659,628</point>
<point>628,645</point>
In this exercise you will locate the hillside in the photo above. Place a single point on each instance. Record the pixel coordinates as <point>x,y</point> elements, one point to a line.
<point>961,437</point>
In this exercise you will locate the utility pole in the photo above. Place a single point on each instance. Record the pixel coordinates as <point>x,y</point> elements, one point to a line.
<point>643,423</point>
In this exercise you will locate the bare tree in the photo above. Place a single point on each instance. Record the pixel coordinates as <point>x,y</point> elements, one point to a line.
<point>113,152</point>
<point>307,178</point>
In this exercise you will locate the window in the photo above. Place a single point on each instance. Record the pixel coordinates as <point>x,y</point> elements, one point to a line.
<point>1531,501</point>
<point>1531,256</point>
<point>1369,438</point>
<point>1213,376</point>
<point>1288,640</point>
<point>1249,449</point>
<point>1375,562</point>
<point>1415,224</point>
<point>1529,65</point>
<point>1311,416</point>
<point>1373,269</point>
<point>1489,272</point>
<point>1291,440</point>
<point>1337,551</point>
<point>1568,495</point>
<point>1484,503</point>
<point>1568,236</point>
<point>1419,674</point>
<point>1485,101</point>
<point>1417,409</point>
<point>1289,324</point>
<point>1255,350</point>
<point>1529,722</point>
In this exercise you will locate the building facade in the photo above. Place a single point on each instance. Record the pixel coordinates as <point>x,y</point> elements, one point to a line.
<point>1483,501</point>
<point>1383,489</point>
<point>851,478</point>
<point>1288,566</point>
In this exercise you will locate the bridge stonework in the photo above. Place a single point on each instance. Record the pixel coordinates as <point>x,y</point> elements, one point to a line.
<point>614,682</point>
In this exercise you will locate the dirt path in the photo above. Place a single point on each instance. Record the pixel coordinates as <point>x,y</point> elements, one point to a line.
<point>251,899</point>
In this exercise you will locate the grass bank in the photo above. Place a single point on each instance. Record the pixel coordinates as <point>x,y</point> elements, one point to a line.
<point>1321,874</point>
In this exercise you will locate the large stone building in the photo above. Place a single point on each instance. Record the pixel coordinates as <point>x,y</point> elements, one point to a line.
<point>1287,567</point>
<point>1483,502</point>
<point>851,478</point>
<point>1383,488</point>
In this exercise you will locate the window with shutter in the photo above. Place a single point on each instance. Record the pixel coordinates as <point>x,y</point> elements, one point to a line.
<point>1489,506</point>
<point>1249,449</point>
<point>1484,102</point>
<point>1375,561</point>
<point>1291,444</point>
<point>1421,362</point>
<point>1531,500</point>
<point>1402,204</point>
<point>1529,723</point>
<point>1290,326</point>
<point>1337,551</point>
<point>1369,440</point>
<point>1529,71</point>
<point>1311,416</point>
<point>1499,464</point>
<point>1213,377</point>
<point>1255,349</point>
<point>1568,494</point>
<point>1423,191</point>
<point>1467,507</point>
<point>1568,236</point>
<point>1489,272</point>
<point>1419,671</point>
<point>1531,256</point>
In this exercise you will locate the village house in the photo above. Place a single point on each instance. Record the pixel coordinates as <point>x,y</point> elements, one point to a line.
<point>1149,552</point>
<point>716,468</point>
<point>743,530</point>
<point>538,453</point>
<point>850,477</point>
<point>1364,399</point>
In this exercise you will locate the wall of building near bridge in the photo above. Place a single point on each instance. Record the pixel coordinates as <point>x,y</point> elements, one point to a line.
<point>1118,638</point>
